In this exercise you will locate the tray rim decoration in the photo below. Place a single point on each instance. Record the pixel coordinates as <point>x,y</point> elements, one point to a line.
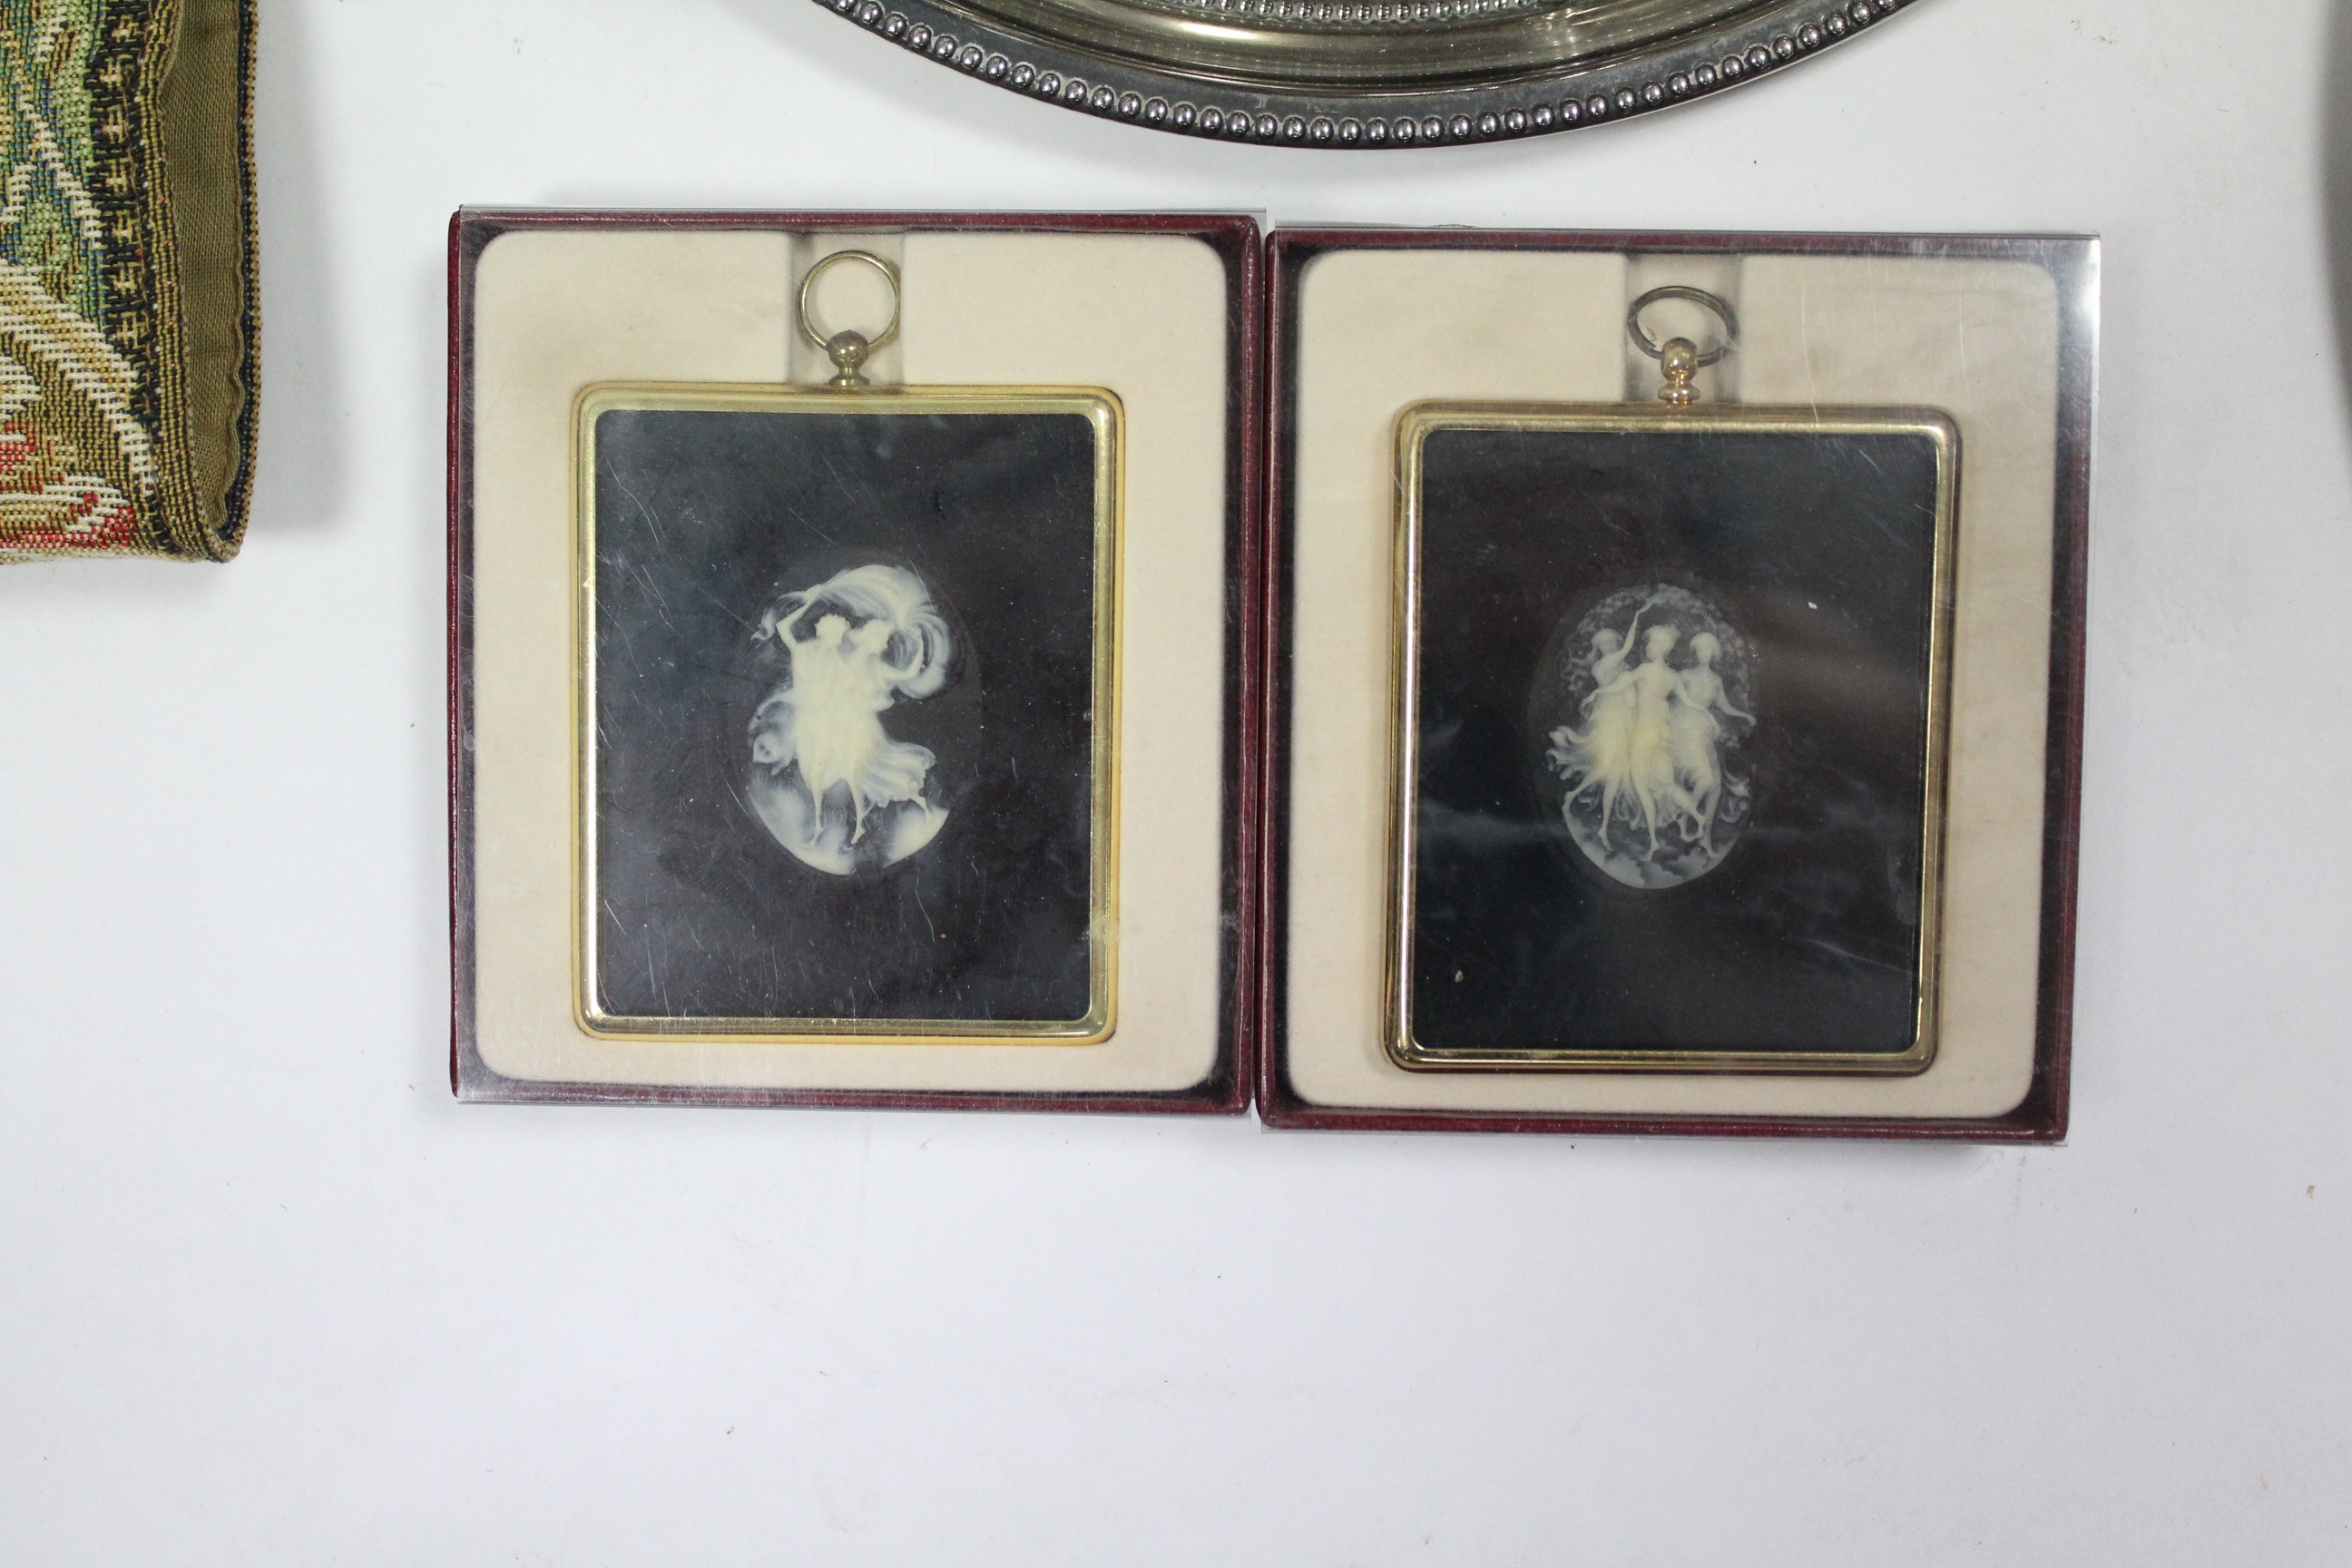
<point>1137,67</point>
<point>2073,262</point>
<point>1106,419</point>
<point>1414,426</point>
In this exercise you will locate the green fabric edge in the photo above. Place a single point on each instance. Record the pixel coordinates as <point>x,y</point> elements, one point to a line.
<point>205,118</point>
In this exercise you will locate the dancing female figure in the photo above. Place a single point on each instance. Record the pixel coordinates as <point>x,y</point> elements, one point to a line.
<point>817,738</point>
<point>1596,759</point>
<point>1650,765</point>
<point>1692,732</point>
<point>1649,796</point>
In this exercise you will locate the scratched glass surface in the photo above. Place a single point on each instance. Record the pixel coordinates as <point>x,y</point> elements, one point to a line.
<point>1674,708</point>
<point>843,725</point>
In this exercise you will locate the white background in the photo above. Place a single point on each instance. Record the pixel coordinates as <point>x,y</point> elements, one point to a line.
<point>268,1296</point>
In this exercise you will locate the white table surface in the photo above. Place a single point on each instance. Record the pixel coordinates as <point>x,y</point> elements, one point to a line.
<point>268,1296</point>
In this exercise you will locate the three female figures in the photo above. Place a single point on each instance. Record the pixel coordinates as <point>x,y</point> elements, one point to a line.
<point>1647,784</point>
<point>831,785</point>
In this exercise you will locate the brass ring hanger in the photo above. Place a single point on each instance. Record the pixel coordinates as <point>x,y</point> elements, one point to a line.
<point>1679,357</point>
<point>848,350</point>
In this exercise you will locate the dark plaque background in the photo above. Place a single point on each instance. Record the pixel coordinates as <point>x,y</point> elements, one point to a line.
<point>702,520</point>
<point>1820,549</point>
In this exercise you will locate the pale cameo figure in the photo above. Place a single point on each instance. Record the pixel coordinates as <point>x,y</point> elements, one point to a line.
<point>826,778</point>
<point>1657,708</point>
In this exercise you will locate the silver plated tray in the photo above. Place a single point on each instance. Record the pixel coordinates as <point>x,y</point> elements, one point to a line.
<point>1366,73</point>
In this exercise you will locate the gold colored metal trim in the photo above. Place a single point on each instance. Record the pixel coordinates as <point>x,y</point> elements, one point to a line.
<point>1414,427</point>
<point>1102,409</point>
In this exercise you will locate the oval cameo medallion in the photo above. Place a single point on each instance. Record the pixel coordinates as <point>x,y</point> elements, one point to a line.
<point>1641,706</point>
<point>848,668</point>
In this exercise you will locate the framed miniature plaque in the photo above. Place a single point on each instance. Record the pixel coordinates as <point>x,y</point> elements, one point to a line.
<point>848,697</point>
<point>1678,681</point>
<point>1672,711</point>
<point>854,635</point>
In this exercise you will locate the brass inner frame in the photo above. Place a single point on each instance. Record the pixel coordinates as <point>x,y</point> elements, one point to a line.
<point>1414,426</point>
<point>1100,408</point>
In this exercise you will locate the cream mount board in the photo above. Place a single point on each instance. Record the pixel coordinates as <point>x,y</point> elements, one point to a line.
<point>1997,332</point>
<point>1158,314</point>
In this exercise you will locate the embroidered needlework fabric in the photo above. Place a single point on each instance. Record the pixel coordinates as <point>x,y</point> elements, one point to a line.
<point>129,323</point>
